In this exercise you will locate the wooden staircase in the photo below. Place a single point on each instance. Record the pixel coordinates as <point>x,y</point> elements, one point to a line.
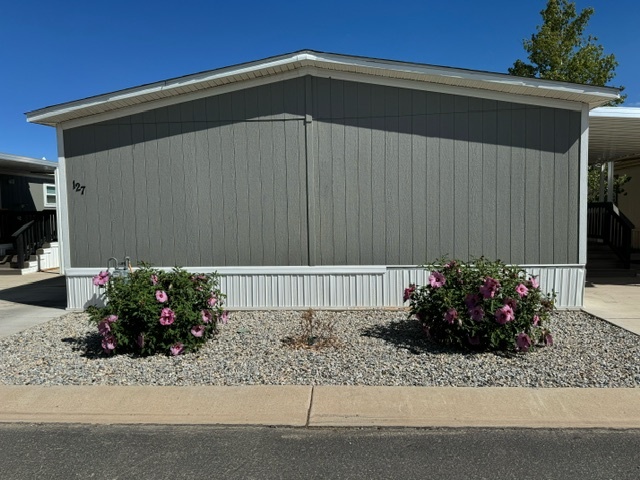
<point>35,231</point>
<point>609,242</point>
<point>604,262</point>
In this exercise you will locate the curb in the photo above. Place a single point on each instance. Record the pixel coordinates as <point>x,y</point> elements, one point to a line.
<point>325,406</point>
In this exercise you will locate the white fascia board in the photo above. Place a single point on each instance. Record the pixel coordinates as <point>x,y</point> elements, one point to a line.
<point>299,60</point>
<point>609,93</point>
<point>40,116</point>
<point>187,97</point>
<point>325,73</point>
<point>447,89</point>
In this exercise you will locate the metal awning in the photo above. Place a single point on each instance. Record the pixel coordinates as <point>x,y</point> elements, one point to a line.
<point>614,134</point>
<point>19,164</point>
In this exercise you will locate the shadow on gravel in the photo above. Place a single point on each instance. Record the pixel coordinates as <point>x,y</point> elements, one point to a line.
<point>408,334</point>
<point>90,345</point>
<point>405,334</point>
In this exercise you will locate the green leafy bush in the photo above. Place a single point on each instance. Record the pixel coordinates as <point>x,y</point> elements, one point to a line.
<point>482,305</point>
<point>151,311</point>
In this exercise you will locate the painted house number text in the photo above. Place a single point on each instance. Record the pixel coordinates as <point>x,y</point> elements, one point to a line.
<point>77,187</point>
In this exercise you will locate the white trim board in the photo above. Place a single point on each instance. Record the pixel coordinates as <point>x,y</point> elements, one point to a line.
<point>371,67</point>
<point>63,205</point>
<point>324,73</point>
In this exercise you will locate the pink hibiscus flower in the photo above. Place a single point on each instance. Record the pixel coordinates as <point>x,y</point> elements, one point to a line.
<point>522,290</point>
<point>212,301</point>
<point>197,331</point>
<point>490,287</point>
<point>437,280</point>
<point>451,316</point>
<point>534,282</point>
<point>109,343</point>
<point>111,318</point>
<point>471,300</point>
<point>536,320</point>
<point>161,296</point>
<point>408,292</point>
<point>104,327</point>
<point>523,342</point>
<point>101,279</point>
<point>154,279</point>
<point>206,316</point>
<point>167,316</point>
<point>511,302</point>
<point>176,349</point>
<point>504,314</point>
<point>224,318</point>
<point>476,313</point>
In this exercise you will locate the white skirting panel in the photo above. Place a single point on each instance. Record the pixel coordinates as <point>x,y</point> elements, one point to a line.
<point>328,287</point>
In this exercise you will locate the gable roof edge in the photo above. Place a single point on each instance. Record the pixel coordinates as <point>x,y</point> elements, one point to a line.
<point>56,114</point>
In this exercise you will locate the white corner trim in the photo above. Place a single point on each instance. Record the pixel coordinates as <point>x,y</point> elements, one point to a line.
<point>584,185</point>
<point>63,205</point>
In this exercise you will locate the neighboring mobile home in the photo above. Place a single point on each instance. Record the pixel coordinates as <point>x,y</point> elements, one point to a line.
<point>28,197</point>
<point>315,179</point>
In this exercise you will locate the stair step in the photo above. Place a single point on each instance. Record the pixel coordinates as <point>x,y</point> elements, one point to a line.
<point>29,264</point>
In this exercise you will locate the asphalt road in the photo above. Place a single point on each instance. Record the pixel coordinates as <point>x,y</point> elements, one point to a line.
<point>170,452</point>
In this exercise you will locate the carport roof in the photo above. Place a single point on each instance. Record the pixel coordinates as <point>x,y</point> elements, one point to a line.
<point>19,164</point>
<point>614,134</point>
<point>304,59</point>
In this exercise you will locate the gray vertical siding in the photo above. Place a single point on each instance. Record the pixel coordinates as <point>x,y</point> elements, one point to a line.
<point>443,175</point>
<point>218,181</point>
<point>397,177</point>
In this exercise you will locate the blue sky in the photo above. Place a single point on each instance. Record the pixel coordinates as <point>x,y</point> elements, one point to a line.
<point>54,52</point>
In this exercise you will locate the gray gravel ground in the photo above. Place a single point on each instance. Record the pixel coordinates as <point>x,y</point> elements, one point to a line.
<point>375,347</point>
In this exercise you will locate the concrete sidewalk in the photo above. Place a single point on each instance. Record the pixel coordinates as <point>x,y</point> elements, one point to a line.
<point>616,300</point>
<point>325,406</point>
<point>28,300</point>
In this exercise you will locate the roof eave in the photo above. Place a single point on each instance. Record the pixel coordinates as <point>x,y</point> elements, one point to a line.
<point>53,115</point>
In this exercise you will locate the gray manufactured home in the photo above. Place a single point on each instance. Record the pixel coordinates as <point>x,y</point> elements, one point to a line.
<point>314,179</point>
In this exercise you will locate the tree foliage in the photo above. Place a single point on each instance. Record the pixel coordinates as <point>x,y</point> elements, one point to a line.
<point>560,49</point>
<point>594,184</point>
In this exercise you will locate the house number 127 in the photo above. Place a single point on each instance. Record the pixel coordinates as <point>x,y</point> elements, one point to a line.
<point>77,187</point>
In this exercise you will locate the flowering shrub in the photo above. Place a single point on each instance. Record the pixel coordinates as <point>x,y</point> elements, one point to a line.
<point>482,304</point>
<point>151,311</point>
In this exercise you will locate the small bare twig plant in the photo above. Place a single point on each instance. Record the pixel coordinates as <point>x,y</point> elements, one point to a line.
<point>316,331</point>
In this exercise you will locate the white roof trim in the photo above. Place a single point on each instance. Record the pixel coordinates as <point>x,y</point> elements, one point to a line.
<point>17,162</point>
<point>614,134</point>
<point>615,112</point>
<point>56,114</point>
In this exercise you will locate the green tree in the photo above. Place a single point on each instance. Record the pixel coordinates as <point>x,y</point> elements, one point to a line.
<point>560,50</point>
<point>619,181</point>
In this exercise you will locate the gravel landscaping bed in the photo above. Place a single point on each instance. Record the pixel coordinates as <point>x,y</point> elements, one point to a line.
<point>375,347</point>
